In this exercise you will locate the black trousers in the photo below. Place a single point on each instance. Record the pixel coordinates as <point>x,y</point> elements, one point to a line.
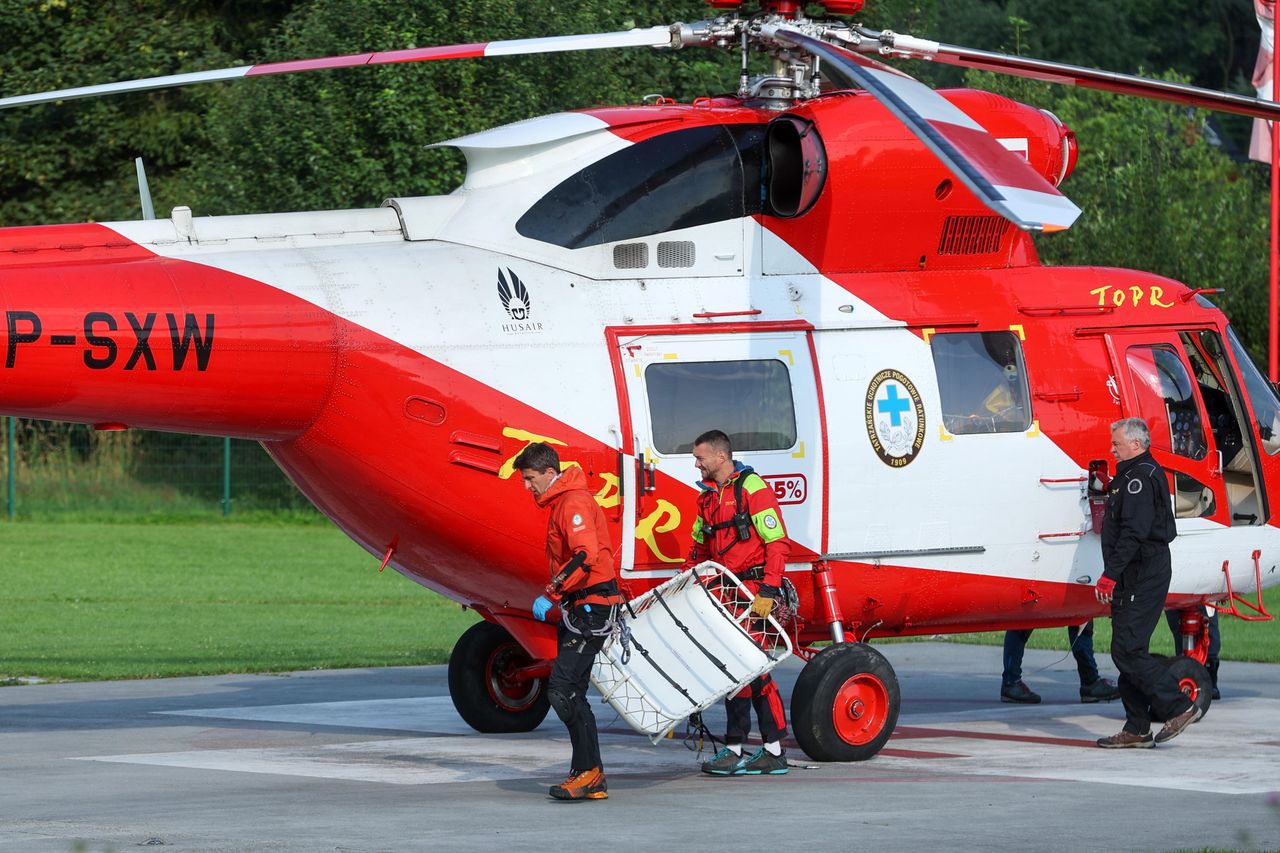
<point>570,677</point>
<point>763,695</point>
<point>1145,682</point>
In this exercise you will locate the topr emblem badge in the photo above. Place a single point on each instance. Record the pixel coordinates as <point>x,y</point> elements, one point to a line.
<point>577,519</point>
<point>770,522</point>
<point>895,418</point>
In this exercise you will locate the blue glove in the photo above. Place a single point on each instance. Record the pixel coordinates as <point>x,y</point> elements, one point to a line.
<point>541,605</point>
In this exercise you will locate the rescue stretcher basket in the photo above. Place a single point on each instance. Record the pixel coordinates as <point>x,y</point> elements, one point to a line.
<point>693,642</point>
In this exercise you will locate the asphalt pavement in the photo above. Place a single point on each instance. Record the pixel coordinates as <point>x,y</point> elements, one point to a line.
<point>378,760</point>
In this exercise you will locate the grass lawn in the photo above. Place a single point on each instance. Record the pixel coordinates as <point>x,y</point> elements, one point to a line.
<point>127,600</point>
<point>101,601</point>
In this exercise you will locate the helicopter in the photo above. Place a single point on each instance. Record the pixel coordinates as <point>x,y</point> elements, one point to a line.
<point>833,265</point>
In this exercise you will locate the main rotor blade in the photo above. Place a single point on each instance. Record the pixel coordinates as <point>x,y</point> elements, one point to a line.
<point>1075,75</point>
<point>651,37</point>
<point>1001,180</point>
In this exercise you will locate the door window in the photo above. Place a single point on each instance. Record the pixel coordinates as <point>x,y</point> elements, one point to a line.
<point>1266,408</point>
<point>1166,401</point>
<point>1228,420</point>
<point>749,400</point>
<point>1203,348</point>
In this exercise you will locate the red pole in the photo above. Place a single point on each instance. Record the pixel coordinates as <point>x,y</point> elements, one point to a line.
<point>1273,366</point>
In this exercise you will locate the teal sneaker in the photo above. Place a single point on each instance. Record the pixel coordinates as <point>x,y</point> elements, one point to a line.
<point>724,763</point>
<point>1102,690</point>
<point>763,763</point>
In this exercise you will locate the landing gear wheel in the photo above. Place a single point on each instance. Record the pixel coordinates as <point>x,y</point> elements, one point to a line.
<point>482,689</point>
<point>845,703</point>
<point>1193,680</point>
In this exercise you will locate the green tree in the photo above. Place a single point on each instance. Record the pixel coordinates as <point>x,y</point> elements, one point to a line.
<point>350,138</point>
<point>74,161</point>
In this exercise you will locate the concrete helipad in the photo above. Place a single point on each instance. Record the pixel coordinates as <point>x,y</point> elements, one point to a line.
<point>376,760</point>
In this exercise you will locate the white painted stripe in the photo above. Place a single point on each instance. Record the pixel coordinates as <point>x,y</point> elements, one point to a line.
<point>429,760</point>
<point>434,714</point>
<point>1226,753</point>
<point>143,85</point>
<point>1229,752</point>
<point>1016,146</point>
<point>651,37</point>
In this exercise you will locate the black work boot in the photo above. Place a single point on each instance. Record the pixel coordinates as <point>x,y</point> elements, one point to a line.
<point>1019,694</point>
<point>1212,666</point>
<point>1102,690</point>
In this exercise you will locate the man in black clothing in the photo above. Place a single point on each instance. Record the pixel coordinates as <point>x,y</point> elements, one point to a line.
<point>1136,533</point>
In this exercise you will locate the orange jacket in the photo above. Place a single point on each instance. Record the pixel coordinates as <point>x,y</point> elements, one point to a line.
<point>577,524</point>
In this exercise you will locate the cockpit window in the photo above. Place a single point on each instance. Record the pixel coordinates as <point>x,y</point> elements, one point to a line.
<point>676,180</point>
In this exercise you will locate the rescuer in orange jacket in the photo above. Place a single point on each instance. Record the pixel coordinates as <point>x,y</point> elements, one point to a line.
<point>739,525</point>
<point>585,586</point>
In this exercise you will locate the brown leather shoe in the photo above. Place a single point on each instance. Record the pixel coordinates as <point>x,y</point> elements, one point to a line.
<point>1174,727</point>
<point>582,785</point>
<point>1125,740</point>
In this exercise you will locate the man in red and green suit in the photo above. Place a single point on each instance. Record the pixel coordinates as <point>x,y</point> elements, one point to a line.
<point>739,525</point>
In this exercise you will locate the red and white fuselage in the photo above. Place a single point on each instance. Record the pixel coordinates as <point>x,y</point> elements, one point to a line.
<point>394,362</point>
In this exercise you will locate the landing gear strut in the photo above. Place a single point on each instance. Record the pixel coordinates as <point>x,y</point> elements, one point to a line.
<point>486,686</point>
<point>845,703</point>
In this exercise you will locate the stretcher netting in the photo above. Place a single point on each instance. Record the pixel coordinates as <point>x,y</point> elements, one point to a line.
<point>693,642</point>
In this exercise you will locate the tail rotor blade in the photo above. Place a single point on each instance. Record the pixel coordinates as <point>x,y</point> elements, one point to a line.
<point>650,37</point>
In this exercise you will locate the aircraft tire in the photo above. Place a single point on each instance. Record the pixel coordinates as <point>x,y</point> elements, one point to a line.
<point>1193,680</point>
<point>845,703</point>
<point>486,699</point>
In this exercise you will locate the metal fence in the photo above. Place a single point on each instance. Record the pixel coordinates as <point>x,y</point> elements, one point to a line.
<point>58,469</point>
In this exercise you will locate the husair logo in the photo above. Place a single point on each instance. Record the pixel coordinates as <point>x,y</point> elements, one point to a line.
<point>516,302</point>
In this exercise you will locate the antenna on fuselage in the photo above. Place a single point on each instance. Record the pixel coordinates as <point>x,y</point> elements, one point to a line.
<point>144,191</point>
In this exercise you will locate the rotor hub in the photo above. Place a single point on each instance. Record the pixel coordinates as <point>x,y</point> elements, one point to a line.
<point>795,74</point>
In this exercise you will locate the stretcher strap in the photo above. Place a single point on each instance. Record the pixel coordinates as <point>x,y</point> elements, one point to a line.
<point>715,660</point>
<point>645,654</point>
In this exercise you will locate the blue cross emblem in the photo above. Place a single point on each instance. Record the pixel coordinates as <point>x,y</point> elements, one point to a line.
<point>893,406</point>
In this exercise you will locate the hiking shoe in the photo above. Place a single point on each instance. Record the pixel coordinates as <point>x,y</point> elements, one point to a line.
<point>1174,727</point>
<point>1102,690</point>
<point>763,763</point>
<point>582,785</point>
<point>723,763</point>
<point>1125,740</point>
<point>1019,694</point>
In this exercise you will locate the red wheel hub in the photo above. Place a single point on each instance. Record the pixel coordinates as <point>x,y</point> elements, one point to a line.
<point>508,693</point>
<point>861,709</point>
<point>1189,688</point>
